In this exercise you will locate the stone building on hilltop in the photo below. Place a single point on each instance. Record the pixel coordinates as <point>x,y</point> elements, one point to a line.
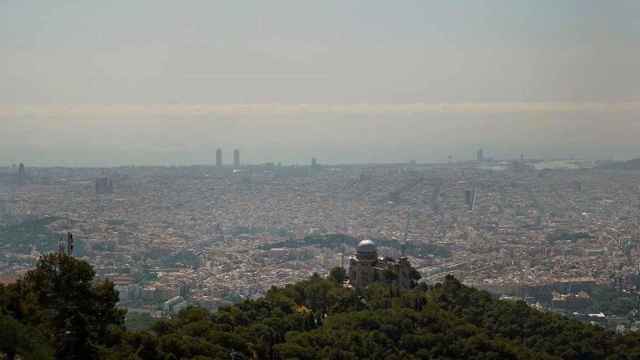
<point>366,268</point>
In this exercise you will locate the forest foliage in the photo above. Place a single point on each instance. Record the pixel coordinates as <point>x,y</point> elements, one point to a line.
<point>59,310</point>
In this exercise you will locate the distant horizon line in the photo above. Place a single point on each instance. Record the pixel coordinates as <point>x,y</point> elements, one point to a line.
<point>627,104</point>
<point>308,164</point>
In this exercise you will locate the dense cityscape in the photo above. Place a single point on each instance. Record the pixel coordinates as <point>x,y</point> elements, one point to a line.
<point>214,235</point>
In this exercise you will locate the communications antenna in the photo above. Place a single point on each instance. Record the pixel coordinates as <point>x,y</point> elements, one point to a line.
<point>70,243</point>
<point>406,235</point>
<point>68,247</point>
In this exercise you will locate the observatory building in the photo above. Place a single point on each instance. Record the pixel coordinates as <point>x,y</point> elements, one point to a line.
<point>366,268</point>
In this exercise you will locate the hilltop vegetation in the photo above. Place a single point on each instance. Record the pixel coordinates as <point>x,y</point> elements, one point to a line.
<point>58,310</point>
<point>313,319</point>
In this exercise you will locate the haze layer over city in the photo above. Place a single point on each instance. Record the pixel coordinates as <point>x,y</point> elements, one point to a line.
<point>157,83</point>
<point>200,153</point>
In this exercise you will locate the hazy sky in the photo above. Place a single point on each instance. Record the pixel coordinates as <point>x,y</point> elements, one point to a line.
<point>167,82</point>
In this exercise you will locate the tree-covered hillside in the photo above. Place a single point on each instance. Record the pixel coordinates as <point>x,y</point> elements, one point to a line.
<point>58,310</point>
<point>313,319</point>
<point>319,319</point>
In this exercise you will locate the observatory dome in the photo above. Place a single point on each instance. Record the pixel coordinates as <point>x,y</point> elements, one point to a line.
<point>367,249</point>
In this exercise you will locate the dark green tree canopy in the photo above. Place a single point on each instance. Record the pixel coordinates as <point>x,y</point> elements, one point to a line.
<point>320,319</point>
<point>60,310</point>
<point>60,298</point>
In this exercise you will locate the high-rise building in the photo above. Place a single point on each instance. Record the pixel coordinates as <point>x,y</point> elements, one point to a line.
<point>468,198</point>
<point>236,158</point>
<point>219,157</point>
<point>314,162</point>
<point>104,186</point>
<point>22,174</point>
<point>480,155</point>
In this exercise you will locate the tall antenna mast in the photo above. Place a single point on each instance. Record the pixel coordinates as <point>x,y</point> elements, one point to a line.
<point>406,235</point>
<point>69,243</point>
<point>344,247</point>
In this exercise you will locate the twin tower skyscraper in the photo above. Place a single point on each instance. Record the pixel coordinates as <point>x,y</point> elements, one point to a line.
<point>236,158</point>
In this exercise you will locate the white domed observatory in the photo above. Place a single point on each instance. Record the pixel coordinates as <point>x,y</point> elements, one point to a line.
<point>366,268</point>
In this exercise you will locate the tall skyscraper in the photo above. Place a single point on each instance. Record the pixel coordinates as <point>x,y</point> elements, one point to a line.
<point>480,155</point>
<point>104,186</point>
<point>236,158</point>
<point>22,175</point>
<point>314,162</point>
<point>468,198</point>
<point>219,157</point>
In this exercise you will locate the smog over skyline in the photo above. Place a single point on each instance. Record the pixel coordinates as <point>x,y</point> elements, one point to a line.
<point>161,83</point>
